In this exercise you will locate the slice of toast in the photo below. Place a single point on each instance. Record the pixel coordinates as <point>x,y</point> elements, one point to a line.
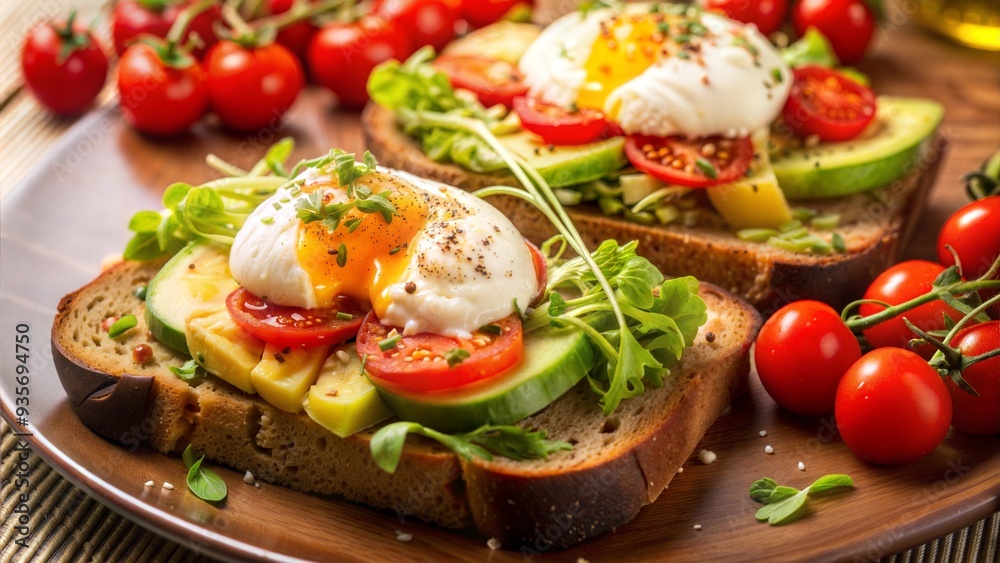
<point>618,464</point>
<point>875,227</point>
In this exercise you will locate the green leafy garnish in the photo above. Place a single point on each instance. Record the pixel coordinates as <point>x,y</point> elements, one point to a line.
<point>203,482</point>
<point>707,168</point>
<point>187,372</point>
<point>389,343</point>
<point>122,325</point>
<point>455,356</point>
<point>812,49</point>
<point>785,504</point>
<point>511,442</point>
<point>311,208</point>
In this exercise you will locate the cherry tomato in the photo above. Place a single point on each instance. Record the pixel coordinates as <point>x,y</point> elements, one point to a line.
<point>696,163</point>
<point>767,15</point>
<point>157,98</point>
<point>132,18</point>
<point>489,355</point>
<point>342,55</point>
<point>293,326</point>
<point>559,126</point>
<point>298,35</point>
<point>974,233</point>
<point>492,81</point>
<point>892,407</point>
<point>64,66</point>
<point>978,415</point>
<point>251,88</point>
<point>541,270</point>
<point>802,352</point>
<point>828,104</point>
<point>848,24</point>
<point>429,22</point>
<point>481,13</point>
<point>899,284</point>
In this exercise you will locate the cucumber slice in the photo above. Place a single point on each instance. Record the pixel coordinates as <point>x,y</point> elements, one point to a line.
<point>887,150</point>
<point>196,278</point>
<point>567,165</point>
<point>554,361</point>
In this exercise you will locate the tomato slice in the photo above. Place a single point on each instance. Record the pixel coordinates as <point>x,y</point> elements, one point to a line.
<point>695,163</point>
<point>559,126</point>
<point>294,326</point>
<point>492,81</point>
<point>419,363</point>
<point>828,104</point>
<point>541,271</point>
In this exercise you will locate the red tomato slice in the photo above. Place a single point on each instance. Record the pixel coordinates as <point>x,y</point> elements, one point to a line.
<point>695,163</point>
<point>828,104</point>
<point>492,81</point>
<point>541,270</point>
<point>294,326</point>
<point>419,363</point>
<point>558,126</point>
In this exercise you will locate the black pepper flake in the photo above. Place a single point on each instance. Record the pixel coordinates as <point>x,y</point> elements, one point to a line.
<point>280,359</point>
<point>552,148</point>
<point>710,337</point>
<point>191,266</point>
<point>331,251</point>
<point>286,350</point>
<point>410,287</point>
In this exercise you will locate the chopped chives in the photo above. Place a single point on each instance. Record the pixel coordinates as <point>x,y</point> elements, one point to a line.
<point>826,221</point>
<point>122,325</point>
<point>344,316</point>
<point>756,235</point>
<point>389,343</point>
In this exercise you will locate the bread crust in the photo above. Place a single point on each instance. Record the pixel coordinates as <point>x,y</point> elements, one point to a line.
<point>624,462</point>
<point>766,277</point>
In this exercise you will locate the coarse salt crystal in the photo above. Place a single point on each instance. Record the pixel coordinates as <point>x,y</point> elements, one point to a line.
<point>802,466</point>
<point>150,483</point>
<point>697,526</point>
<point>680,470</point>
<point>494,544</point>
<point>768,449</point>
<point>248,478</point>
<point>343,356</point>
<point>168,486</point>
<point>707,457</point>
<point>763,433</point>
<point>403,536</point>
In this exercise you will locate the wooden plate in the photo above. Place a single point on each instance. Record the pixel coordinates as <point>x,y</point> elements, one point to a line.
<point>74,209</point>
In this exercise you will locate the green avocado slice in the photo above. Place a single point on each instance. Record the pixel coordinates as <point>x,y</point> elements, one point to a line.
<point>891,146</point>
<point>554,361</point>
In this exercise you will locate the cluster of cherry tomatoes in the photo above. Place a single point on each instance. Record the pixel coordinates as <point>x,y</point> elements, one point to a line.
<point>848,24</point>
<point>171,73</point>
<point>891,406</point>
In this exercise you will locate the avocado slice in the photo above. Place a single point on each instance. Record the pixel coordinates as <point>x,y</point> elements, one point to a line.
<point>566,165</point>
<point>888,149</point>
<point>196,278</point>
<point>554,361</point>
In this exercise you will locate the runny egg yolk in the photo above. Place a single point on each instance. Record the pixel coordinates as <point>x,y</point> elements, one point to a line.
<point>627,45</point>
<point>376,252</point>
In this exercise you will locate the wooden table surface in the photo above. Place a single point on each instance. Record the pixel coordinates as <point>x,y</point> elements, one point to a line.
<point>905,61</point>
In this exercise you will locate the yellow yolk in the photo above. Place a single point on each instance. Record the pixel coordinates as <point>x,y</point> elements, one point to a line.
<point>376,250</point>
<point>627,46</point>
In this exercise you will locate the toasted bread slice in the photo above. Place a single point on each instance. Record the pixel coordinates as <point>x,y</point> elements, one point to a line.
<point>875,227</point>
<point>620,463</point>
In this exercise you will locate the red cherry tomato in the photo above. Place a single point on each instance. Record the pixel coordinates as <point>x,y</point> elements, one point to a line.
<point>294,326</point>
<point>429,22</point>
<point>341,56</point>
<point>159,99</point>
<point>848,24</point>
<point>827,104</point>
<point>974,233</point>
<point>391,369</point>
<point>298,35</point>
<point>899,284</point>
<point>251,88</point>
<point>64,66</point>
<point>558,126</point>
<point>978,415</point>
<point>767,15</point>
<point>132,18</point>
<point>481,13</point>
<point>802,352</point>
<point>492,81</point>
<point>892,407</point>
<point>690,162</point>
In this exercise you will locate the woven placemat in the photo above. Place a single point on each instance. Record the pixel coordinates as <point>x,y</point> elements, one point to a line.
<point>68,525</point>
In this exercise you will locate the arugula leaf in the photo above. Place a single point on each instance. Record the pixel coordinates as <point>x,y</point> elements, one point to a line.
<point>513,442</point>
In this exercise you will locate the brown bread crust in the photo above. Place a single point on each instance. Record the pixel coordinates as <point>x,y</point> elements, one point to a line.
<point>618,465</point>
<point>876,227</point>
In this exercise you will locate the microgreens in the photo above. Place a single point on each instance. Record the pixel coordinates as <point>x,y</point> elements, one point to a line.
<point>310,208</point>
<point>785,504</point>
<point>187,371</point>
<point>512,442</point>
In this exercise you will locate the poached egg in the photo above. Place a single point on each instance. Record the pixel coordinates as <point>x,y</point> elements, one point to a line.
<point>445,263</point>
<point>661,70</point>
